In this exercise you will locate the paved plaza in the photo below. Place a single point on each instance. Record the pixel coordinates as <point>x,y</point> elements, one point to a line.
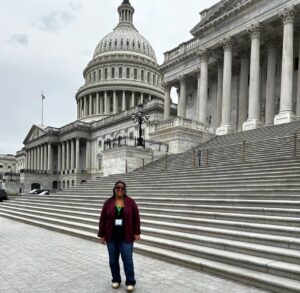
<point>34,259</point>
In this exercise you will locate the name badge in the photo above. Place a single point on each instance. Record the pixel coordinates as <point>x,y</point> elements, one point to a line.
<point>118,222</point>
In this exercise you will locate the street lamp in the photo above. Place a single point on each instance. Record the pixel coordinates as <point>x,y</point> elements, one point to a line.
<point>139,118</point>
<point>11,175</point>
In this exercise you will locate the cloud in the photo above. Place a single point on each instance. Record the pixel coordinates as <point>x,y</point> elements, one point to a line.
<point>18,39</point>
<point>75,6</point>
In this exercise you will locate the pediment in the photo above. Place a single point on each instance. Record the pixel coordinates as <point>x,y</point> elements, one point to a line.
<point>34,133</point>
<point>222,8</point>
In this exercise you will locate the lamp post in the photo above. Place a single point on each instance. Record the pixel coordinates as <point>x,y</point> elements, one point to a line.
<point>11,175</point>
<point>139,118</point>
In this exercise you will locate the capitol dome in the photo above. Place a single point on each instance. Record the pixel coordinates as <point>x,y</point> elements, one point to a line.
<point>123,72</point>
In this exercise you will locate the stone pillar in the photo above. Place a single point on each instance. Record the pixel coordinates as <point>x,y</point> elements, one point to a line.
<point>219,93</point>
<point>271,79</point>
<point>85,107</point>
<point>142,98</point>
<point>298,81</point>
<point>97,112</point>
<point>67,155</point>
<point>182,98</point>
<point>115,103</point>
<point>132,100</point>
<point>102,105</point>
<point>63,157</point>
<point>253,120</point>
<point>77,155</point>
<point>203,88</point>
<point>243,90</point>
<point>123,101</point>
<point>49,158</point>
<point>78,109</point>
<point>59,158</point>
<point>107,103</point>
<point>91,105</point>
<point>72,154</point>
<point>45,158</point>
<point>286,104</point>
<point>38,166</point>
<point>225,127</point>
<point>31,160</point>
<point>88,155</point>
<point>167,102</point>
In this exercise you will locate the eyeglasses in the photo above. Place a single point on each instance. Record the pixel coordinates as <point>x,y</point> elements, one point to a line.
<point>120,188</point>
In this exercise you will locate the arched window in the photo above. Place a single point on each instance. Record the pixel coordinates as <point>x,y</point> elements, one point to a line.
<point>153,79</point>
<point>113,72</point>
<point>105,73</point>
<point>99,74</point>
<point>135,73</point>
<point>142,75</point>
<point>148,77</point>
<point>94,75</point>
<point>120,72</point>
<point>127,72</point>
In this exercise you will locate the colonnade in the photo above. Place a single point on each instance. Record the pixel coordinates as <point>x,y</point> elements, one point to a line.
<point>248,95</point>
<point>107,102</point>
<point>39,158</point>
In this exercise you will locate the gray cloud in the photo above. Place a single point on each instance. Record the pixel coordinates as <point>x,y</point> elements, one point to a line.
<point>18,39</point>
<point>75,6</point>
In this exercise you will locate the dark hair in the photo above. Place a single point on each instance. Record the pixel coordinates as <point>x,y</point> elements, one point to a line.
<point>118,182</point>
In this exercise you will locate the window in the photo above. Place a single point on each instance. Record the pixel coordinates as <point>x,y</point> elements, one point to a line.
<point>131,135</point>
<point>113,72</point>
<point>105,73</point>
<point>128,73</point>
<point>9,167</point>
<point>142,75</point>
<point>148,77</point>
<point>100,143</point>
<point>135,73</point>
<point>99,74</point>
<point>1,166</point>
<point>153,79</point>
<point>94,75</point>
<point>120,72</point>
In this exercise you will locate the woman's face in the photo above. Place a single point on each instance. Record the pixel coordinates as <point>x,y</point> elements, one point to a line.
<point>119,190</point>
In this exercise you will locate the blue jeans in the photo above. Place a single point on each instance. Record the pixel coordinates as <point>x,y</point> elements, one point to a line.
<point>115,248</point>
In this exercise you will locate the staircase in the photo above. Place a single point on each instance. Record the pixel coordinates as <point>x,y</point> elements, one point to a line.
<point>238,219</point>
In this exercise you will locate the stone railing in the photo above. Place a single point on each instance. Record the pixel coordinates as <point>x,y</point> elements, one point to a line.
<point>181,49</point>
<point>175,122</point>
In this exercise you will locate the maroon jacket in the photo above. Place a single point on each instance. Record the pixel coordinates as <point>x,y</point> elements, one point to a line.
<point>131,219</point>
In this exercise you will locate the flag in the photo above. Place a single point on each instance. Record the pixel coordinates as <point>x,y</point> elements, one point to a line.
<point>43,97</point>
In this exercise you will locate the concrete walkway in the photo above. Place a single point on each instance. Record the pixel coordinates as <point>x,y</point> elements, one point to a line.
<point>34,259</point>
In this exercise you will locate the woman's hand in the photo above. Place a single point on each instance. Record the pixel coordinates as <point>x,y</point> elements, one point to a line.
<point>102,240</point>
<point>137,237</point>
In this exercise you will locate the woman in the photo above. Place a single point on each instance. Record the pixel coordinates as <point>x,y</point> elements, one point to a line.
<point>119,227</point>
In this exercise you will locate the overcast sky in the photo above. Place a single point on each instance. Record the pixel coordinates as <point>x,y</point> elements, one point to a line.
<point>45,45</point>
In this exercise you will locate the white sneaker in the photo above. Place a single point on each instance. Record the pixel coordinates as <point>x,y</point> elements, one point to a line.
<point>116,285</point>
<point>130,288</point>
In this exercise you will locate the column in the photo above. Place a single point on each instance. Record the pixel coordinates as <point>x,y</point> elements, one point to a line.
<point>97,112</point>
<point>219,92</point>
<point>167,88</point>
<point>142,99</point>
<point>85,108</point>
<point>203,87</point>
<point>102,105</point>
<point>253,121</point>
<point>45,158</point>
<point>225,127</point>
<point>123,101</point>
<point>271,79</point>
<point>78,109</point>
<point>42,158</point>
<point>72,154</point>
<point>91,105</point>
<point>67,155</point>
<point>298,80</point>
<point>63,157</point>
<point>49,158</point>
<point>132,100</point>
<point>115,103</point>
<point>59,158</point>
<point>243,90</point>
<point>88,155</point>
<point>31,159</point>
<point>77,155</point>
<point>38,161</point>
<point>286,104</point>
<point>107,103</point>
<point>182,98</point>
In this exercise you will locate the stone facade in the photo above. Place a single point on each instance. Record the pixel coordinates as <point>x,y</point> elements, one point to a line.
<point>7,165</point>
<point>240,69</point>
